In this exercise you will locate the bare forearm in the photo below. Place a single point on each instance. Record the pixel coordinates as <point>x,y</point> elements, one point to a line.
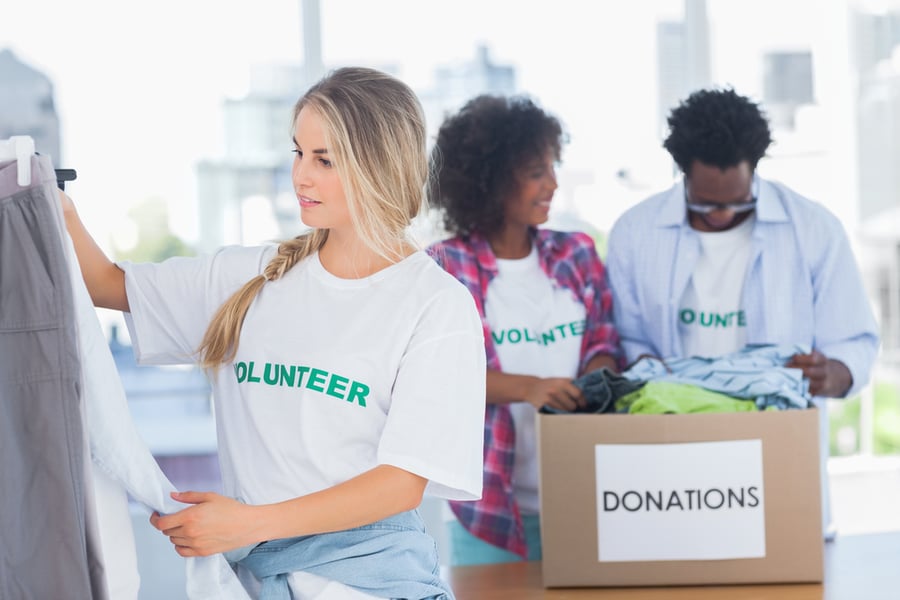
<point>555,392</point>
<point>214,523</point>
<point>370,497</point>
<point>599,361</point>
<point>505,388</point>
<point>105,281</point>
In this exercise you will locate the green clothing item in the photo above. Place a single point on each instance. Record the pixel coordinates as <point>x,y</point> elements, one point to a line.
<point>662,397</point>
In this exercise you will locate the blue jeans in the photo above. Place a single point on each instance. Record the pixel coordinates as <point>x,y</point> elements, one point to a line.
<point>391,558</point>
<point>466,549</point>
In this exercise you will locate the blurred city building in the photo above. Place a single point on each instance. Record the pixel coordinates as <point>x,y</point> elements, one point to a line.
<point>246,196</point>
<point>256,163</point>
<point>876,53</point>
<point>787,85</point>
<point>455,84</point>
<point>682,57</point>
<point>27,107</point>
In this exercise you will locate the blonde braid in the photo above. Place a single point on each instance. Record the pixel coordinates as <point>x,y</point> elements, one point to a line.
<point>220,342</point>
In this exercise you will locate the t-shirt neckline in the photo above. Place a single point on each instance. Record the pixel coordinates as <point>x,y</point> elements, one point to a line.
<point>320,272</point>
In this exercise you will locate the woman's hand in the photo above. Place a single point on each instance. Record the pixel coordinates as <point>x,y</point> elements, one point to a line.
<point>556,392</point>
<point>214,524</point>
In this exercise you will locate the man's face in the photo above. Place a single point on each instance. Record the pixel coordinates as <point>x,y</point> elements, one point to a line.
<point>723,196</point>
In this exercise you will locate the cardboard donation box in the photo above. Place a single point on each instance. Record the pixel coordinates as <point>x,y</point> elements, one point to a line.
<point>643,500</point>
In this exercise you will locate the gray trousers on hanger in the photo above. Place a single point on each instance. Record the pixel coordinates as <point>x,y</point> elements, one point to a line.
<point>47,524</point>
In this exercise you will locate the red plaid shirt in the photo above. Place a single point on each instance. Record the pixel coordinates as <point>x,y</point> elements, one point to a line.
<point>570,260</point>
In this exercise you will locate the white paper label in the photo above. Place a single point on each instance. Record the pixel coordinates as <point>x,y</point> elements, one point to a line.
<point>691,501</point>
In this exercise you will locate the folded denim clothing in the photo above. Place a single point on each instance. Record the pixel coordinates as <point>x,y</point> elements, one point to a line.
<point>601,389</point>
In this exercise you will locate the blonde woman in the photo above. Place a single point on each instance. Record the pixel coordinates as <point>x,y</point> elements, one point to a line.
<point>348,369</point>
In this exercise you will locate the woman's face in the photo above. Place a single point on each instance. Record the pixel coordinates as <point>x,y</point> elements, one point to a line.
<point>323,204</point>
<point>529,203</point>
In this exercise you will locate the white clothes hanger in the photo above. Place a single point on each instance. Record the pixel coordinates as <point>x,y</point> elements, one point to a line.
<point>19,148</point>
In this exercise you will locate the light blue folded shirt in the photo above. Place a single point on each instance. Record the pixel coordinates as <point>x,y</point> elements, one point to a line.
<point>756,372</point>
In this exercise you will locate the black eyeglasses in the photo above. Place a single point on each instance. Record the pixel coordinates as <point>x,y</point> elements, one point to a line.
<point>704,208</point>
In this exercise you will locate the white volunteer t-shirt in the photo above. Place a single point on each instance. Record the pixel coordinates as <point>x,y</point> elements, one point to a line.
<point>711,318</point>
<point>537,330</point>
<point>332,376</point>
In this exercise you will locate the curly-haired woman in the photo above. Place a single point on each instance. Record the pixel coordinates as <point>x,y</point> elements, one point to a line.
<point>543,298</point>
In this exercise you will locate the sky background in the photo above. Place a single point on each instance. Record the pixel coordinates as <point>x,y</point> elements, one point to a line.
<point>139,97</point>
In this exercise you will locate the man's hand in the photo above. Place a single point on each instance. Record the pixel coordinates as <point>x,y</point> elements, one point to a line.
<point>827,377</point>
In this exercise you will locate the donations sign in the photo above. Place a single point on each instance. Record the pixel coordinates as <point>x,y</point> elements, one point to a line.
<point>686,501</point>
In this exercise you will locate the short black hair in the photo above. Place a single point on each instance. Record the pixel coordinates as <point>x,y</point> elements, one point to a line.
<point>718,127</point>
<point>478,154</point>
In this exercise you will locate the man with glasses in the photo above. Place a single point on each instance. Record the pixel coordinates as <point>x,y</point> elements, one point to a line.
<point>726,258</point>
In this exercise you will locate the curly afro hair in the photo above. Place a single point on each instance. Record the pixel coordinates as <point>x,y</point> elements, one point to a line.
<point>478,155</point>
<point>717,127</point>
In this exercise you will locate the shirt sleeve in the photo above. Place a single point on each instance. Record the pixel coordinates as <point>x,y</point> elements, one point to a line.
<point>171,303</point>
<point>460,262</point>
<point>846,329</point>
<point>628,317</point>
<point>602,335</point>
<point>435,426</point>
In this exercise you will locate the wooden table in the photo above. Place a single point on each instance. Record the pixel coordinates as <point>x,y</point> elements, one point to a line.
<point>859,567</point>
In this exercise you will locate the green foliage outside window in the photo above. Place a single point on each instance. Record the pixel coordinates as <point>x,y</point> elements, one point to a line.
<point>844,417</point>
<point>155,241</point>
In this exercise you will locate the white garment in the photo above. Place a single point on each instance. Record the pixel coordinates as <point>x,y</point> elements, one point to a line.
<point>332,377</point>
<point>122,463</point>
<point>711,317</point>
<point>537,330</point>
